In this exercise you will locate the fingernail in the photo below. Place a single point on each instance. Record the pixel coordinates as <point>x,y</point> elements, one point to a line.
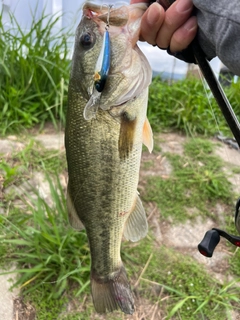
<point>154,13</point>
<point>183,6</point>
<point>191,24</point>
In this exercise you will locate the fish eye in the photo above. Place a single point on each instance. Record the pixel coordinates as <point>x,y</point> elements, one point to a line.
<point>87,40</point>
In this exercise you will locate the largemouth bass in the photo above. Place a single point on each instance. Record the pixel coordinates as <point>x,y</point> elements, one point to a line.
<point>103,139</point>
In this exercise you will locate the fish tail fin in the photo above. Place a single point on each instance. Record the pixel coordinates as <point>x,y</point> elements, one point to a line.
<point>112,293</point>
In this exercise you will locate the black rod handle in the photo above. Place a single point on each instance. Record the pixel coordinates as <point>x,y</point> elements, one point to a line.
<point>209,243</point>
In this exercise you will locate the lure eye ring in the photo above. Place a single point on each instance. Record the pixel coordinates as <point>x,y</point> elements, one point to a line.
<point>87,40</point>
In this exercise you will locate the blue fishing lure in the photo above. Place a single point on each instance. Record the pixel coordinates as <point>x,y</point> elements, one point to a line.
<point>103,64</point>
<point>100,75</point>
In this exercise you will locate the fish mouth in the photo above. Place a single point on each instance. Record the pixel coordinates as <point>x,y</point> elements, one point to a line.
<point>115,16</point>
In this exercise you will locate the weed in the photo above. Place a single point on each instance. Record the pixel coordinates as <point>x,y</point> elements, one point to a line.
<point>236,170</point>
<point>34,69</point>
<point>234,260</point>
<point>197,181</point>
<point>185,105</point>
<point>53,259</point>
<point>148,164</point>
<point>34,157</point>
<point>9,173</point>
<point>47,250</point>
<point>185,288</point>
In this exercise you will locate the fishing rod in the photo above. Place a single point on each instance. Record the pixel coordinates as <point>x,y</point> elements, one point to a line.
<point>196,55</point>
<point>217,90</point>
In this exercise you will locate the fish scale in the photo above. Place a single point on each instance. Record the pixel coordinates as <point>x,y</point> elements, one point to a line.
<point>112,182</point>
<point>104,151</point>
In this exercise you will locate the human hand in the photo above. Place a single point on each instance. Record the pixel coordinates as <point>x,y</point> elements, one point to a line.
<point>174,28</point>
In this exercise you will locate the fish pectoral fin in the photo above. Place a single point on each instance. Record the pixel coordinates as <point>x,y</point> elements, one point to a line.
<point>136,226</point>
<point>126,135</point>
<point>73,218</point>
<point>112,292</point>
<point>148,135</point>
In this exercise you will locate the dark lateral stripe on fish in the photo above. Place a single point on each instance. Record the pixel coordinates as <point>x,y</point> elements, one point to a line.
<point>126,136</point>
<point>112,293</point>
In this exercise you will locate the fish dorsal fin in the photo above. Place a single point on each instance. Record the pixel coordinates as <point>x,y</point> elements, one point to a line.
<point>148,135</point>
<point>136,226</point>
<point>73,218</point>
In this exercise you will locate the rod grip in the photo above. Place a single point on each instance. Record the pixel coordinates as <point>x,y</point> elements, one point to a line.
<point>209,243</point>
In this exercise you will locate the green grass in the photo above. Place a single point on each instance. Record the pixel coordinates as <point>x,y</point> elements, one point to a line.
<point>43,245</point>
<point>186,290</point>
<point>234,261</point>
<point>34,77</point>
<point>197,181</point>
<point>186,106</point>
<point>33,157</point>
<point>148,165</point>
<point>34,72</point>
<point>53,260</point>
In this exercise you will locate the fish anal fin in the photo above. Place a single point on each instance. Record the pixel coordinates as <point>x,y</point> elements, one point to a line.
<point>148,135</point>
<point>73,218</point>
<point>136,226</point>
<point>126,136</point>
<point>112,293</point>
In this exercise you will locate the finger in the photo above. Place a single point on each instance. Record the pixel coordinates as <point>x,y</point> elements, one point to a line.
<point>138,1</point>
<point>151,22</point>
<point>184,35</point>
<point>176,15</point>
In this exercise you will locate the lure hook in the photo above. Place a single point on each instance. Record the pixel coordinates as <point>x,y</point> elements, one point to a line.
<point>108,17</point>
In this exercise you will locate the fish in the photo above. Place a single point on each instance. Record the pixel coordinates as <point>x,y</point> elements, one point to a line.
<point>104,134</point>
